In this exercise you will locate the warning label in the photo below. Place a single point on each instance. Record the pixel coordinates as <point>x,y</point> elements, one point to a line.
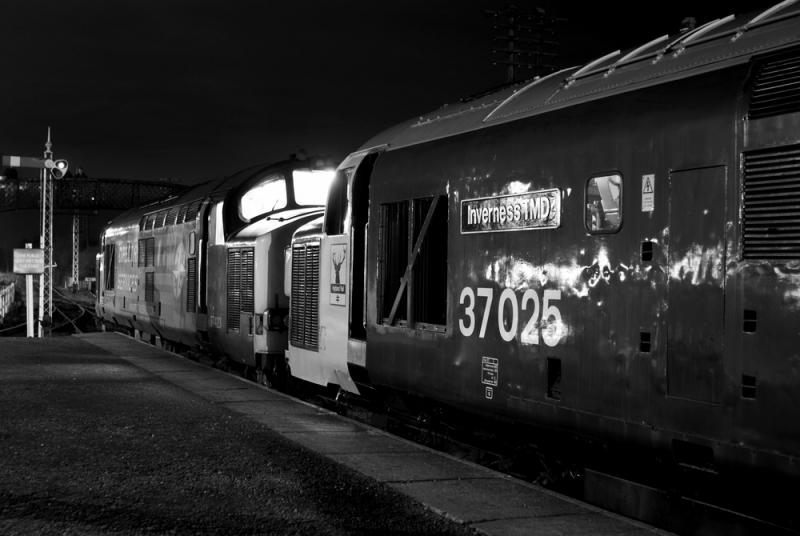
<point>648,193</point>
<point>489,370</point>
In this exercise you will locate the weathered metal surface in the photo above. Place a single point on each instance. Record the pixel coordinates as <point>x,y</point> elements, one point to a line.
<point>632,335</point>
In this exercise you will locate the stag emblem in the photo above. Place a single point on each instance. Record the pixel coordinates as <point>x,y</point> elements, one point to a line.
<point>338,260</point>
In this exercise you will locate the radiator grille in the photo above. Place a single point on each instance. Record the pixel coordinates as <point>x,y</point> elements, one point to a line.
<point>248,264</point>
<point>240,285</point>
<point>191,285</point>
<point>304,320</point>
<point>191,211</point>
<point>776,89</point>
<point>149,287</point>
<point>172,215</point>
<point>771,226</point>
<point>234,292</point>
<point>150,252</point>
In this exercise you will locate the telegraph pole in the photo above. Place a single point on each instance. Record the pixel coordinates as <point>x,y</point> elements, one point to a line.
<point>527,41</point>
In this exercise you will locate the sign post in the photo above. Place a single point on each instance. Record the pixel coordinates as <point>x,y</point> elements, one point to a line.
<point>29,261</point>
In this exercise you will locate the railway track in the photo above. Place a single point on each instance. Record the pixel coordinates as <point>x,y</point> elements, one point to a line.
<point>70,316</point>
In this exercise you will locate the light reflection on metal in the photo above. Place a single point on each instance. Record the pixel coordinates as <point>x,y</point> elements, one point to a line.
<point>700,264</point>
<point>553,330</point>
<point>516,187</point>
<point>575,279</point>
<point>121,230</point>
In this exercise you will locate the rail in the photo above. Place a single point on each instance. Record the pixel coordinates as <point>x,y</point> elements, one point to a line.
<point>6,299</point>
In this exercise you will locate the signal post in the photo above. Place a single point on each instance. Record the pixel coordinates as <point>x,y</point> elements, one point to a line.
<point>50,169</point>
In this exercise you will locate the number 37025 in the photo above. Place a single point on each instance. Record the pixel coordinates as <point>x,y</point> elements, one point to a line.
<point>545,315</point>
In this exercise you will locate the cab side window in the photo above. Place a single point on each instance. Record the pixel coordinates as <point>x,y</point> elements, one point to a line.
<point>413,263</point>
<point>604,204</point>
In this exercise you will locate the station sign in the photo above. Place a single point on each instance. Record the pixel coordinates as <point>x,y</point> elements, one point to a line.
<point>518,212</point>
<point>28,261</point>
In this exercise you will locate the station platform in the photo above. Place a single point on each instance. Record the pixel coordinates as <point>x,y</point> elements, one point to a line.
<point>100,433</point>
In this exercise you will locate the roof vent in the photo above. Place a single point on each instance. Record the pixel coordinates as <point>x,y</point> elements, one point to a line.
<point>776,89</point>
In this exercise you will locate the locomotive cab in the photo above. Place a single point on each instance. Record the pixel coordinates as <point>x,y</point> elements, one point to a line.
<point>248,232</point>
<point>327,262</point>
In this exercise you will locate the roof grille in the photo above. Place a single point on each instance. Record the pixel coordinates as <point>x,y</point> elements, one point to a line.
<point>776,89</point>
<point>304,320</point>
<point>771,227</point>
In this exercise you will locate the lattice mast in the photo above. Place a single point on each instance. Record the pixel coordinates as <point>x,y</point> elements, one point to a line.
<point>76,241</point>
<point>46,239</point>
<point>525,41</point>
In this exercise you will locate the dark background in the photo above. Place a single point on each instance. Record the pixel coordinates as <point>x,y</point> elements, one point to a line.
<point>193,89</point>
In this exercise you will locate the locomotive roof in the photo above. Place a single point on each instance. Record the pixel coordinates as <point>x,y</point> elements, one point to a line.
<point>214,189</point>
<point>718,44</point>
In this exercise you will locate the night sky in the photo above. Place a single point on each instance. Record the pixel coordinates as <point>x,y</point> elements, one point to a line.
<point>195,89</point>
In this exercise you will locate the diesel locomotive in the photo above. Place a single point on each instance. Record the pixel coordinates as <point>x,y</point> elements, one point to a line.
<point>206,268</point>
<point>612,251</point>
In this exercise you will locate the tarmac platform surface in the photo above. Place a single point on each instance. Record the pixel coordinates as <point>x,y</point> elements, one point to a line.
<point>102,434</point>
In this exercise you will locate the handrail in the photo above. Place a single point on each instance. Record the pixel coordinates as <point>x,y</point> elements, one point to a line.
<point>760,17</point>
<point>589,66</point>
<point>683,38</point>
<point>534,82</point>
<point>702,31</point>
<point>635,52</point>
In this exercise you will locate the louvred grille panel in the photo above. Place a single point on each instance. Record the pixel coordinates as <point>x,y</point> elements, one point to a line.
<point>191,285</point>
<point>776,89</point>
<point>304,320</point>
<point>771,227</point>
<point>248,260</point>
<point>240,285</point>
<point>234,298</point>
<point>149,287</point>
